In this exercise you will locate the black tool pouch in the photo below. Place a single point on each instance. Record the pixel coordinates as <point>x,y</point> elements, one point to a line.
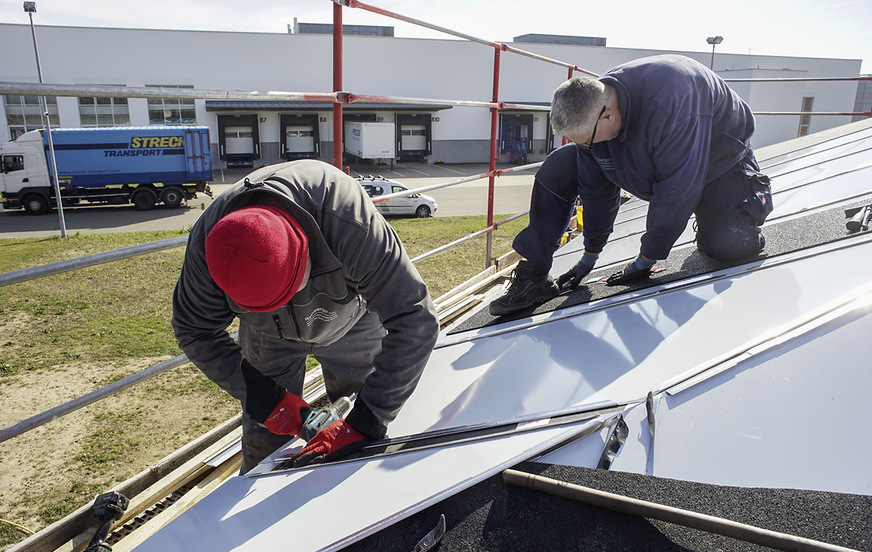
<point>758,195</point>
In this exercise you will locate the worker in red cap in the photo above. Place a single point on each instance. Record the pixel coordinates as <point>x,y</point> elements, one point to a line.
<point>300,256</point>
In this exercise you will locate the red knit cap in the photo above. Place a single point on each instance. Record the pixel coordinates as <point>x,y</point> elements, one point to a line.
<point>258,256</point>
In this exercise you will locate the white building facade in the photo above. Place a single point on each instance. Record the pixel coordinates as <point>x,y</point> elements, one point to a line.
<point>256,133</point>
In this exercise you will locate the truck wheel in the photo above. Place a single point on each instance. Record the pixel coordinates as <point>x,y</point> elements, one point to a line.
<point>144,199</point>
<point>422,211</point>
<point>35,204</point>
<point>172,197</point>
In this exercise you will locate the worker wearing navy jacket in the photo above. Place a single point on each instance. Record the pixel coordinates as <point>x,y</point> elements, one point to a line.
<point>300,256</point>
<point>667,130</point>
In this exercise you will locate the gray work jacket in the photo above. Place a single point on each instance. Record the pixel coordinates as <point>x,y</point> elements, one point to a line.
<point>358,264</point>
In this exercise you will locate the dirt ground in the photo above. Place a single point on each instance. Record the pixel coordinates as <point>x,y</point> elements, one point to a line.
<point>58,467</point>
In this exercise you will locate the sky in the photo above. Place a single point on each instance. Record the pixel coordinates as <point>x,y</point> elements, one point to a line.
<point>803,28</point>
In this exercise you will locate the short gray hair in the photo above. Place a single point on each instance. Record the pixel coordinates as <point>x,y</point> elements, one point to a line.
<point>575,105</point>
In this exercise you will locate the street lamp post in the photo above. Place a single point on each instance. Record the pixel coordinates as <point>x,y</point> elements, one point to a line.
<point>714,41</point>
<point>30,9</point>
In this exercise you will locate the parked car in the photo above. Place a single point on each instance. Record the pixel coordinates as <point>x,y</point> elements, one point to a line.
<point>419,205</point>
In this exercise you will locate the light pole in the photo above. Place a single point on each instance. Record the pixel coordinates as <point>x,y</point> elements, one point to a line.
<point>30,9</point>
<point>714,41</point>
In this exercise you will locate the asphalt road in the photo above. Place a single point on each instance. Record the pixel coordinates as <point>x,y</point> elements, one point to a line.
<point>511,196</point>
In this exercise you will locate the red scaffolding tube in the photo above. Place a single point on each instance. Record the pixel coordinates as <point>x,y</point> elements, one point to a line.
<point>337,85</point>
<point>495,105</point>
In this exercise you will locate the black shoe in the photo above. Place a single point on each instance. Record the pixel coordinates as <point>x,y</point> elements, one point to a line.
<point>528,289</point>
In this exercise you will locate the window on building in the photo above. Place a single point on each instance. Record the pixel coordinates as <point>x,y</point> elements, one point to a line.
<point>805,120</point>
<point>104,112</point>
<point>300,133</point>
<point>238,133</point>
<point>24,113</point>
<point>162,111</point>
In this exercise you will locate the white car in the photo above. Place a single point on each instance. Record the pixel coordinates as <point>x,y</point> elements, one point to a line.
<point>419,205</point>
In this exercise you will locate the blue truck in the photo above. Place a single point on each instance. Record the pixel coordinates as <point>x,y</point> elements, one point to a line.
<point>139,165</point>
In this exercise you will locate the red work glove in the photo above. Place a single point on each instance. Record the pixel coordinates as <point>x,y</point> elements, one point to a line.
<point>270,405</point>
<point>288,415</point>
<point>334,442</point>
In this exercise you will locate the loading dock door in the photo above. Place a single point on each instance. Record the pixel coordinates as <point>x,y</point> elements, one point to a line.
<point>299,140</point>
<point>238,140</point>
<point>516,137</point>
<point>413,135</point>
<point>300,137</point>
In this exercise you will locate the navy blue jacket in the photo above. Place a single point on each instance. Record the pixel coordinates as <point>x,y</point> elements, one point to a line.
<point>682,127</point>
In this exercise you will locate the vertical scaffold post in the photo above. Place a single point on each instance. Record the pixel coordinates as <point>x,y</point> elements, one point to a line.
<point>337,85</point>
<point>493,159</point>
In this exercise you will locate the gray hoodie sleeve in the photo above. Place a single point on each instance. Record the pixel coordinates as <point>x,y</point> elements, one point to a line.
<point>393,289</point>
<point>200,320</point>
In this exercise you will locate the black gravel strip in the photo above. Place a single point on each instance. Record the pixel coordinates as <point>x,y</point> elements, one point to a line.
<point>494,516</point>
<point>783,237</point>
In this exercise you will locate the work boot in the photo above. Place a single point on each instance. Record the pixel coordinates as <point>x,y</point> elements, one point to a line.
<point>527,289</point>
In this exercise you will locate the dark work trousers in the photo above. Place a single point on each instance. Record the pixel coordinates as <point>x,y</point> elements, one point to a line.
<point>728,216</point>
<point>730,211</point>
<point>345,365</point>
<point>551,204</point>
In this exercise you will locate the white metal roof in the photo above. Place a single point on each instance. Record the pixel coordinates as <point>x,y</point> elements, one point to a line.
<point>751,374</point>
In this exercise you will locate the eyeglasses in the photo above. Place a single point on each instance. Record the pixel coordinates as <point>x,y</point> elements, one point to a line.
<point>593,134</point>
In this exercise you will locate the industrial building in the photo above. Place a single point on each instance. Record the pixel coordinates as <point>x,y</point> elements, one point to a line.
<point>256,133</point>
<point>638,389</point>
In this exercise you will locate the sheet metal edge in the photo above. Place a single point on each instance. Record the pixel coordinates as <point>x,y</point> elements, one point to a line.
<point>570,433</point>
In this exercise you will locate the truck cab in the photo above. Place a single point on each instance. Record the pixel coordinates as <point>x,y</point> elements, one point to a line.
<point>23,171</point>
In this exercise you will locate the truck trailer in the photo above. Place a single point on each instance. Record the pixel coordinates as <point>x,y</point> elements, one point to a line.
<point>370,140</point>
<point>139,165</point>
